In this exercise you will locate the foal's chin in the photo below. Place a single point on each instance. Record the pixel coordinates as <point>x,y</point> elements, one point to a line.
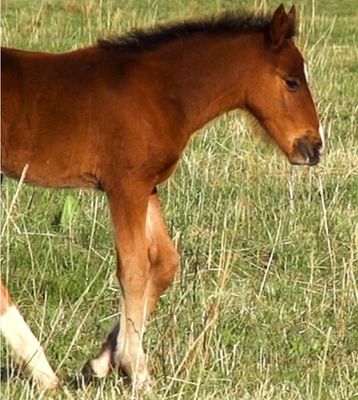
<point>299,160</point>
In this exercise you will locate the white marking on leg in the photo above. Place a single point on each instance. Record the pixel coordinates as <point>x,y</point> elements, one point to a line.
<point>27,348</point>
<point>101,365</point>
<point>121,340</point>
<point>141,378</point>
<point>130,355</point>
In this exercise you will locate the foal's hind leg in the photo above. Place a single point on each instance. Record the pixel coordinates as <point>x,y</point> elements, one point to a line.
<point>27,349</point>
<point>163,256</point>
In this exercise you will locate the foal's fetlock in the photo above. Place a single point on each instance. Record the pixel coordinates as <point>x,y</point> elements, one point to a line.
<point>139,377</point>
<point>98,367</point>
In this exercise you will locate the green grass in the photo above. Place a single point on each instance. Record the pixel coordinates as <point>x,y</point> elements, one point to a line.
<point>265,305</point>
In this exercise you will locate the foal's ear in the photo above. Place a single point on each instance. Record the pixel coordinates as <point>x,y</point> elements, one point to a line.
<point>282,26</point>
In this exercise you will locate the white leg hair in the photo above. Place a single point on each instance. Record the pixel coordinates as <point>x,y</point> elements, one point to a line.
<point>129,352</point>
<point>101,365</point>
<point>27,349</point>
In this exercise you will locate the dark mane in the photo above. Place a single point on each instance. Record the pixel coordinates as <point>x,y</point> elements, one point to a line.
<point>146,40</point>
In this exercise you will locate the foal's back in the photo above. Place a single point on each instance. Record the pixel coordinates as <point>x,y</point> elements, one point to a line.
<point>50,116</point>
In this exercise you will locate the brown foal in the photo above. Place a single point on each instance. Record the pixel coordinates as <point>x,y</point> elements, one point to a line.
<point>117,117</point>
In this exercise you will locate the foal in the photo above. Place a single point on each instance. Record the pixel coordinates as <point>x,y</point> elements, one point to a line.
<point>117,117</point>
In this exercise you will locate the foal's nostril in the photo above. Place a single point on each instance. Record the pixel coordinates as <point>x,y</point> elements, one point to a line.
<point>304,148</point>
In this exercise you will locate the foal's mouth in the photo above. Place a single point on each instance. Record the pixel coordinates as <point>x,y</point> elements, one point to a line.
<point>307,161</point>
<point>306,152</point>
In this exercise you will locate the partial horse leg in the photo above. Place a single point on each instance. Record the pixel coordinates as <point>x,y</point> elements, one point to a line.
<point>164,261</point>
<point>27,349</point>
<point>163,256</point>
<point>128,212</point>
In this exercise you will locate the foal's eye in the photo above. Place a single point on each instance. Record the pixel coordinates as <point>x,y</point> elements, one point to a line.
<point>292,83</point>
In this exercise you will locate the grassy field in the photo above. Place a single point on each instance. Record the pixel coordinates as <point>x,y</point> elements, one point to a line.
<point>265,304</point>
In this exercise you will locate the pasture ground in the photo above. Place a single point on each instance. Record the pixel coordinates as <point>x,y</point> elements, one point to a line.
<point>265,305</point>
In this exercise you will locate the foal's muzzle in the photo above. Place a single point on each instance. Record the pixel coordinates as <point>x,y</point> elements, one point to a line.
<point>306,151</point>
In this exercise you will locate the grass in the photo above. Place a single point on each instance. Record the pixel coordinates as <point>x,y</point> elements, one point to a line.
<point>265,305</point>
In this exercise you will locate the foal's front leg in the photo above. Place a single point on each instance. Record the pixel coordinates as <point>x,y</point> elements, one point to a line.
<point>164,261</point>
<point>123,348</point>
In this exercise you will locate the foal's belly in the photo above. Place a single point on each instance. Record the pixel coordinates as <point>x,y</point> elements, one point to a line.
<point>49,162</point>
<point>50,175</point>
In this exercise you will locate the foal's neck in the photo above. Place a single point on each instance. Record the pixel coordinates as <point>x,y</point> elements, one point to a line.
<point>210,74</point>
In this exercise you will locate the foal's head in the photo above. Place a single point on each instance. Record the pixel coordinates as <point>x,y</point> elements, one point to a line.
<point>279,96</point>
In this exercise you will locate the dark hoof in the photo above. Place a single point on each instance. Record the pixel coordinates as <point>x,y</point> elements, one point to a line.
<point>87,373</point>
<point>83,379</point>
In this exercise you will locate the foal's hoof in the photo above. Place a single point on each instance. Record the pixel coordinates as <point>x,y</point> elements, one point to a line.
<point>140,382</point>
<point>50,386</point>
<point>83,379</point>
<point>143,382</point>
<point>144,387</point>
<point>87,375</point>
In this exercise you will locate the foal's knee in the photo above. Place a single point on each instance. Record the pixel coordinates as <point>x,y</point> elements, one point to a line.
<point>133,273</point>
